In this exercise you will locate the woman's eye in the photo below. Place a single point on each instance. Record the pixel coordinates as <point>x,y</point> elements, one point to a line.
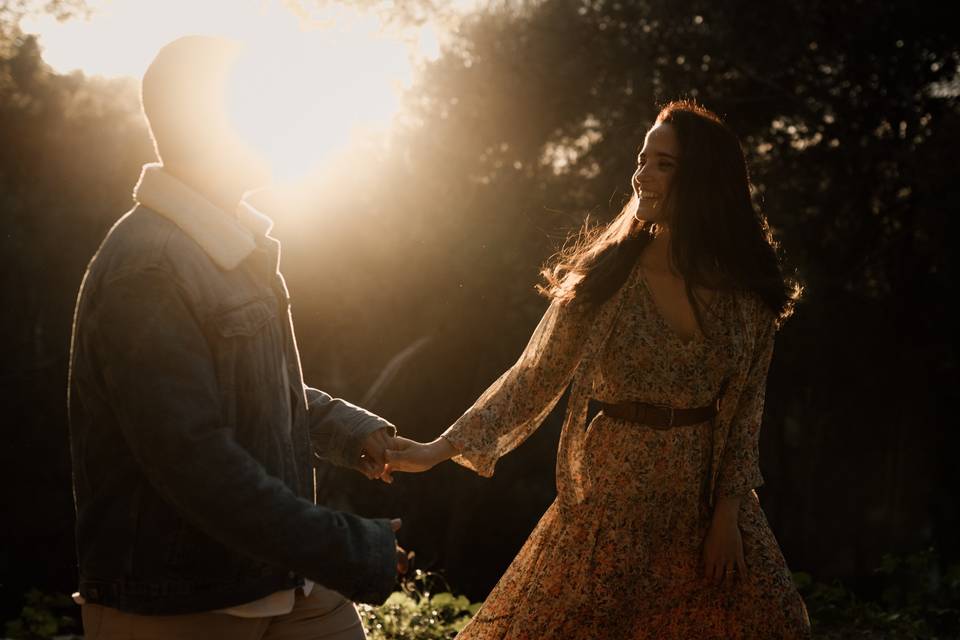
<point>665,166</point>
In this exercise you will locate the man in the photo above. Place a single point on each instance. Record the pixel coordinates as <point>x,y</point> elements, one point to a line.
<point>192,432</point>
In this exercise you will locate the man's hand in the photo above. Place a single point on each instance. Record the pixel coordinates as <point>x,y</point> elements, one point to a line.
<point>372,453</point>
<point>403,559</point>
<point>723,546</point>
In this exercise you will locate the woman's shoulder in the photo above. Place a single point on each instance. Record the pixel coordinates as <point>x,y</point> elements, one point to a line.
<point>753,309</point>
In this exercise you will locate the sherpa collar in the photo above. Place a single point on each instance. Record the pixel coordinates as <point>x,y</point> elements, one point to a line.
<point>227,239</point>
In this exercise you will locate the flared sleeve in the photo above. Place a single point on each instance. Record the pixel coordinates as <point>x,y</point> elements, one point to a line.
<point>739,470</point>
<point>518,401</point>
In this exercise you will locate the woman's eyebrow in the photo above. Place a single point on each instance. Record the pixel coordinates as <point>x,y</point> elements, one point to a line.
<point>663,154</point>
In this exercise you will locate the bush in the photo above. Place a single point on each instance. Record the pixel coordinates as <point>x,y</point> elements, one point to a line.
<point>416,613</point>
<point>918,599</point>
<point>43,616</point>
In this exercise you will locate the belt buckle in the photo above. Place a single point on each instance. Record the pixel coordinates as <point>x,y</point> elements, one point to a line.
<point>672,413</point>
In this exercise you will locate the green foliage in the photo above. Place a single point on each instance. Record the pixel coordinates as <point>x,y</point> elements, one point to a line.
<point>43,616</point>
<point>919,599</point>
<point>416,613</point>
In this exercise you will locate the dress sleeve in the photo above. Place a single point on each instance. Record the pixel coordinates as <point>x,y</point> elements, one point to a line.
<point>514,406</point>
<point>740,465</point>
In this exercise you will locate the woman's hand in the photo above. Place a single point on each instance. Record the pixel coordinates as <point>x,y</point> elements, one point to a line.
<point>723,546</point>
<point>413,457</point>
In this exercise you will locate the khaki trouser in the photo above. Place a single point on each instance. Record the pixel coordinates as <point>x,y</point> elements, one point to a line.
<point>324,614</point>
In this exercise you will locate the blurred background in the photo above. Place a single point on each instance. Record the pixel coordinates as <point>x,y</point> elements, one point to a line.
<point>431,156</point>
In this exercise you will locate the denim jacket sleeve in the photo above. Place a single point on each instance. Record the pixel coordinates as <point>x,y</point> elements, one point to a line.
<point>158,374</point>
<point>338,428</point>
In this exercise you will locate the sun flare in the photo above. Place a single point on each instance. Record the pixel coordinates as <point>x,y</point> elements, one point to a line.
<point>300,97</point>
<point>300,91</point>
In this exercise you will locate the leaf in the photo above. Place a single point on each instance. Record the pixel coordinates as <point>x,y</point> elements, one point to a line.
<point>802,579</point>
<point>443,600</point>
<point>400,600</point>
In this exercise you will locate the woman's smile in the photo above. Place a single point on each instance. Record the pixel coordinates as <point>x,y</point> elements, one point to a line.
<point>656,164</point>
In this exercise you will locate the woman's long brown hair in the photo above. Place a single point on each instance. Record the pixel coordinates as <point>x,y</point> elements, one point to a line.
<point>718,239</point>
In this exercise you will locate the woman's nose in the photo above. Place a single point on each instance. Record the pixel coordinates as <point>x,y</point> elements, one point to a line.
<point>638,178</point>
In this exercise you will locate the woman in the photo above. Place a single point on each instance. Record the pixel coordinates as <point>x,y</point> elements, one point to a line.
<point>665,319</point>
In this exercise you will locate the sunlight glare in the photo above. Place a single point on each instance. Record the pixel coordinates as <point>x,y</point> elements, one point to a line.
<point>300,92</point>
<point>300,96</point>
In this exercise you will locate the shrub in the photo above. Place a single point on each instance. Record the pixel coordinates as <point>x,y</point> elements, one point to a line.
<point>417,613</point>
<point>43,616</point>
<point>918,600</point>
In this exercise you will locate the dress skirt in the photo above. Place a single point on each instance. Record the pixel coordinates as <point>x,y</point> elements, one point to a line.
<point>626,563</point>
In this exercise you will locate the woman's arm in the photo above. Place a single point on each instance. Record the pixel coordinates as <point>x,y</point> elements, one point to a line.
<point>413,457</point>
<point>740,465</point>
<point>512,407</point>
<point>739,470</point>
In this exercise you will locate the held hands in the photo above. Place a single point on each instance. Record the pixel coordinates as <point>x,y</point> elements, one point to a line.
<point>372,453</point>
<point>382,454</point>
<point>413,457</point>
<point>723,546</point>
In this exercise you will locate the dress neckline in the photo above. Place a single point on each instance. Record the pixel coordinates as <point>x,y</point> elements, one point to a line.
<point>698,338</point>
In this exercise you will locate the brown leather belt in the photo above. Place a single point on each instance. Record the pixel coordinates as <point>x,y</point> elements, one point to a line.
<point>658,416</point>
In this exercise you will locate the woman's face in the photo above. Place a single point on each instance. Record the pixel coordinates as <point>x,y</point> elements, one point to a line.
<point>656,166</point>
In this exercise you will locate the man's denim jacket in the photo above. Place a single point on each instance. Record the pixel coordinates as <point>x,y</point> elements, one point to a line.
<point>192,433</point>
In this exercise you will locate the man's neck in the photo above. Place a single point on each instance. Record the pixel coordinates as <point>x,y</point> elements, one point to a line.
<point>223,194</point>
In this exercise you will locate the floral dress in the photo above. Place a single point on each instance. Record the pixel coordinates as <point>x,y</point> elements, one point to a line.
<point>618,554</point>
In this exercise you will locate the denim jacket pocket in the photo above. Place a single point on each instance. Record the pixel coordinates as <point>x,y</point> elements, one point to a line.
<point>244,343</point>
<point>248,346</point>
<point>244,320</point>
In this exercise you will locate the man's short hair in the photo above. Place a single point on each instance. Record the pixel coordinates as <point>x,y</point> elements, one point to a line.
<point>183,94</point>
